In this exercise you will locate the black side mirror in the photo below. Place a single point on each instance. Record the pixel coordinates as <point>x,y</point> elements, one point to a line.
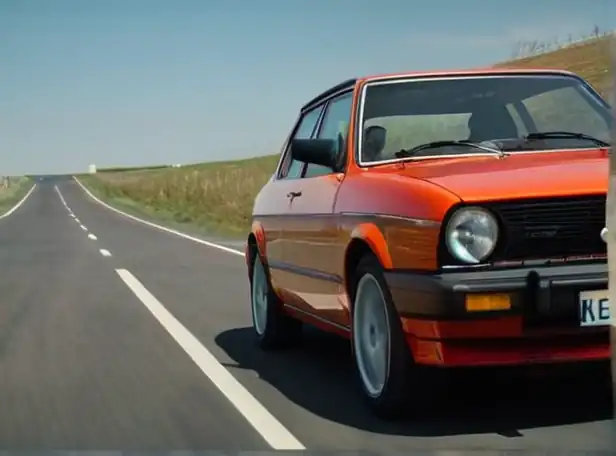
<point>322,152</point>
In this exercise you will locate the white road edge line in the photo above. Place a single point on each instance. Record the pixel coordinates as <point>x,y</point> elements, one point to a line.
<point>77,220</point>
<point>159,227</point>
<point>19,203</point>
<point>274,433</point>
<point>105,252</point>
<point>91,236</point>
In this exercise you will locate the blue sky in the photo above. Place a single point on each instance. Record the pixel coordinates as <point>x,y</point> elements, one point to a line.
<point>130,82</point>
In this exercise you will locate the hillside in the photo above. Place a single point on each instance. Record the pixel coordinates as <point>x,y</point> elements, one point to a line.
<point>590,59</point>
<point>217,197</point>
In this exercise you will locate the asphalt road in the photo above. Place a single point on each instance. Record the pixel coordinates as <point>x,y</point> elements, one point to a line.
<point>107,331</point>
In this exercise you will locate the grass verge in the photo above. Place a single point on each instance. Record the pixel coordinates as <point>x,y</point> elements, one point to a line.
<point>17,189</point>
<point>216,198</point>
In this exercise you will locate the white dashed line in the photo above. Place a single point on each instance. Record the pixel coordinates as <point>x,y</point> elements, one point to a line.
<point>91,236</point>
<point>61,197</point>
<point>19,203</point>
<point>83,228</point>
<point>159,227</point>
<point>272,430</point>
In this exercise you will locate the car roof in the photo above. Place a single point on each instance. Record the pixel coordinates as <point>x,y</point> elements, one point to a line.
<point>486,71</point>
<point>348,84</point>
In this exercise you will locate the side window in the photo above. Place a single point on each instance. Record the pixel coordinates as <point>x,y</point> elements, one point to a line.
<point>293,170</point>
<point>335,123</point>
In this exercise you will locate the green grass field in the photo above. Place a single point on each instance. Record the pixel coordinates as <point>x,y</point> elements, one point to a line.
<point>216,198</point>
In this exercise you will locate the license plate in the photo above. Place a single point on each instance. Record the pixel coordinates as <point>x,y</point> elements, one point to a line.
<point>594,308</point>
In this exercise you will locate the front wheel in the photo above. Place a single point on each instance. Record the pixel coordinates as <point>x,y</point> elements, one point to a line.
<point>390,380</point>
<point>272,328</point>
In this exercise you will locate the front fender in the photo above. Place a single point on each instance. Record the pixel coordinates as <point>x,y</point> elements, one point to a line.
<point>373,237</point>
<point>258,232</point>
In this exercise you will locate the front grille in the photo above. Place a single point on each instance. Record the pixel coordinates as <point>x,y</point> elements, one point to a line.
<point>554,227</point>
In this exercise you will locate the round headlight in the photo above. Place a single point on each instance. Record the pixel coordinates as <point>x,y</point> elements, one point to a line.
<point>471,234</point>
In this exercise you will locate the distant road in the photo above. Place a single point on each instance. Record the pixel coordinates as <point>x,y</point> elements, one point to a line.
<point>118,335</point>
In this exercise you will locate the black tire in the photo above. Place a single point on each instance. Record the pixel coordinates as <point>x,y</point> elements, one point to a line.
<point>279,331</point>
<point>405,382</point>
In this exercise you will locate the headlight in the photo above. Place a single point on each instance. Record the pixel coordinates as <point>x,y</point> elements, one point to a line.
<point>471,234</point>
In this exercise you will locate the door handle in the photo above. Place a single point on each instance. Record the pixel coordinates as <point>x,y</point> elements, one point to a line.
<point>293,195</point>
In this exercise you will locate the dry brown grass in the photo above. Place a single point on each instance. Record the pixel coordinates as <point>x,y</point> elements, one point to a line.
<point>590,59</point>
<point>218,197</point>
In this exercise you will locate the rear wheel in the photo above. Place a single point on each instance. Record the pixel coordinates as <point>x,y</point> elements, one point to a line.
<point>390,380</point>
<point>272,328</point>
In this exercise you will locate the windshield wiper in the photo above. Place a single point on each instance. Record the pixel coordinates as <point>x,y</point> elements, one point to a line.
<point>564,135</point>
<point>405,153</point>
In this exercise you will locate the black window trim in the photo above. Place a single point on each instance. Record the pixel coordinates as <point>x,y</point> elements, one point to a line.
<point>342,156</point>
<point>323,104</point>
<point>332,92</point>
<point>285,147</point>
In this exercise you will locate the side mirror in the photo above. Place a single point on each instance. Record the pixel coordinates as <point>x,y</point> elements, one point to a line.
<point>316,151</point>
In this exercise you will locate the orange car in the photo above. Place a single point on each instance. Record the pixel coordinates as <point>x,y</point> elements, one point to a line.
<point>439,220</point>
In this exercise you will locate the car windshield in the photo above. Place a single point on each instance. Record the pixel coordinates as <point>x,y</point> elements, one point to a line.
<point>495,111</point>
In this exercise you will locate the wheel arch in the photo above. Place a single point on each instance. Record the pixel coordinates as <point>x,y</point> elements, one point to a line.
<point>255,245</point>
<point>252,249</point>
<point>366,239</point>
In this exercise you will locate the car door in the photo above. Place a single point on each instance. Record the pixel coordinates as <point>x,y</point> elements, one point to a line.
<point>272,204</point>
<point>311,232</point>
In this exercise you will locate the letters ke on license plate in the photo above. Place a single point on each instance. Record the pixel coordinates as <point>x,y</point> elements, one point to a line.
<point>594,308</point>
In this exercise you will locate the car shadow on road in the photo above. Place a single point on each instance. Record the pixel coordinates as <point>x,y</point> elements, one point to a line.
<point>319,376</point>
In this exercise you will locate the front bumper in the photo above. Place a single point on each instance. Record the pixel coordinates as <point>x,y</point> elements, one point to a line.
<point>541,325</point>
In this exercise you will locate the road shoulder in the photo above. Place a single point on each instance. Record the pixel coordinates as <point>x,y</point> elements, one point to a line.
<point>162,220</point>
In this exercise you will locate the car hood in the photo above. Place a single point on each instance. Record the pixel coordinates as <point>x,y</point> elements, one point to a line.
<point>554,173</point>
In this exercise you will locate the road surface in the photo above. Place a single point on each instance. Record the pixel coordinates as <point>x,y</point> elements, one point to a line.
<point>116,335</point>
